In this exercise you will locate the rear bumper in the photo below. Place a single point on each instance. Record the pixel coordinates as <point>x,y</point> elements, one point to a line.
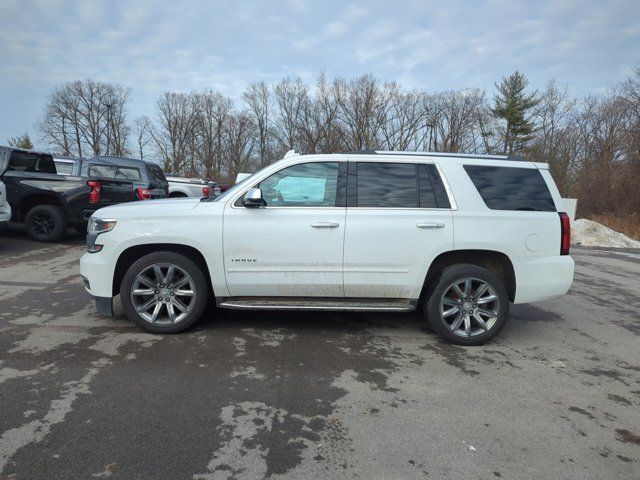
<point>542,278</point>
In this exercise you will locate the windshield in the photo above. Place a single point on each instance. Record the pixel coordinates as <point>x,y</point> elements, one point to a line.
<point>238,185</point>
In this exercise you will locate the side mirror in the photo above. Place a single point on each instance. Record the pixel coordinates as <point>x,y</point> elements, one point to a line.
<point>253,198</point>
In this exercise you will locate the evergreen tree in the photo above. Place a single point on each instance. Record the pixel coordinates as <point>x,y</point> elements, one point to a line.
<point>21,141</point>
<point>512,104</point>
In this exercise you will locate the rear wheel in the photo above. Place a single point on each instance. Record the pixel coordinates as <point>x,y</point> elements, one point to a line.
<point>46,223</point>
<point>164,292</point>
<point>468,305</point>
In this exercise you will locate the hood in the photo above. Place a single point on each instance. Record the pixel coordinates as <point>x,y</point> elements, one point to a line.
<point>147,208</point>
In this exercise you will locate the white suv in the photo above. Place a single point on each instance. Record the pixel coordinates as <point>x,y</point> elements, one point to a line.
<point>458,236</point>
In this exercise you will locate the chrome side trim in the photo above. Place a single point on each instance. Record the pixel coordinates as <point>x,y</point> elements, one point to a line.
<point>318,307</point>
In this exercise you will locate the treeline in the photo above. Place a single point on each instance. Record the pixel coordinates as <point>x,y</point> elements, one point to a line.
<point>592,144</point>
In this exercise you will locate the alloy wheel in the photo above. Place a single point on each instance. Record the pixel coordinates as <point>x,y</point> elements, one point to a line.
<point>469,307</point>
<point>43,224</point>
<point>163,294</point>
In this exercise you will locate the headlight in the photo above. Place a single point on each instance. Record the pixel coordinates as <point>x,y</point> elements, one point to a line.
<point>95,228</point>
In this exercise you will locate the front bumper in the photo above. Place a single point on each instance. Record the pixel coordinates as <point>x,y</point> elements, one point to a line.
<point>97,272</point>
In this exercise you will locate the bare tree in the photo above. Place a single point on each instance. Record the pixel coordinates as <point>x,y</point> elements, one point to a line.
<point>142,127</point>
<point>258,99</point>
<point>364,105</point>
<point>239,144</point>
<point>85,118</point>
<point>213,111</point>
<point>290,96</point>
<point>175,131</point>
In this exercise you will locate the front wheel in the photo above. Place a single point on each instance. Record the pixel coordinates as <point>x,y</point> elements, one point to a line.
<point>164,292</point>
<point>468,305</point>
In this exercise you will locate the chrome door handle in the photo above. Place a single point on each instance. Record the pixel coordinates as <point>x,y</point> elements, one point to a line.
<point>430,225</point>
<point>325,225</point>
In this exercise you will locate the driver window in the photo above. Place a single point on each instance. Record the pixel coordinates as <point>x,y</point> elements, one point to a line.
<point>304,185</point>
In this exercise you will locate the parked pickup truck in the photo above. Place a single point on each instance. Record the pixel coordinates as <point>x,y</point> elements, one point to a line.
<point>191,187</point>
<point>458,237</point>
<point>48,203</point>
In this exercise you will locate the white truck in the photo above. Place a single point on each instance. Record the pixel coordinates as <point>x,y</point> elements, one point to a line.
<point>457,236</point>
<point>180,187</point>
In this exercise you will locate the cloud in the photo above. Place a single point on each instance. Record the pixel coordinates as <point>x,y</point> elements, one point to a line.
<point>225,45</point>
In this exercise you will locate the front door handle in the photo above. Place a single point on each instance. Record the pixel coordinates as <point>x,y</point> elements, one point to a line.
<point>325,225</point>
<point>430,225</point>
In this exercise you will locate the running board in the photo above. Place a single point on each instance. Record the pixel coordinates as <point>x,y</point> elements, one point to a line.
<point>321,304</point>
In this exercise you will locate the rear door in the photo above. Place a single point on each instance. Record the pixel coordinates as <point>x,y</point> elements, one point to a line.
<point>398,220</point>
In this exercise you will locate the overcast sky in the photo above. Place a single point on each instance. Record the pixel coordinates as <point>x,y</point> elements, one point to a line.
<point>183,45</point>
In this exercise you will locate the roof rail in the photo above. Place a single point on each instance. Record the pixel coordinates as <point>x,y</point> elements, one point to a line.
<point>453,155</point>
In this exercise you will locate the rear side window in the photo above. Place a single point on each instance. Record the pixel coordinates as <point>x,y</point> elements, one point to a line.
<point>110,171</point>
<point>155,173</point>
<point>387,185</point>
<point>64,168</point>
<point>399,185</point>
<point>432,192</point>
<point>509,188</point>
<point>31,163</point>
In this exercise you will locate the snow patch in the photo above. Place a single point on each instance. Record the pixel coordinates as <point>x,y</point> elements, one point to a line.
<point>588,233</point>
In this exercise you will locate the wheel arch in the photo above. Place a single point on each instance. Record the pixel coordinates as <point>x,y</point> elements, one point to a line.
<point>178,194</point>
<point>27,202</point>
<point>133,253</point>
<point>496,262</point>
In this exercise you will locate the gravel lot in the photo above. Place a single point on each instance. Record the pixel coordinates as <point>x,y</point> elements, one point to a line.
<point>248,395</point>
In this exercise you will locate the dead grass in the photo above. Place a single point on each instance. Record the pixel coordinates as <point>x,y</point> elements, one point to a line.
<point>628,224</point>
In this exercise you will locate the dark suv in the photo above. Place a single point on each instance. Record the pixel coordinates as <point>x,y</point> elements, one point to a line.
<point>148,179</point>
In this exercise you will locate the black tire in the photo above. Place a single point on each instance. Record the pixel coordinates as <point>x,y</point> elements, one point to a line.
<point>170,258</point>
<point>46,223</point>
<point>177,195</point>
<point>442,286</point>
<point>81,228</point>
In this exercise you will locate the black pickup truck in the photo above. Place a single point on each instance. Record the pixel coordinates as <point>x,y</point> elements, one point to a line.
<point>49,203</point>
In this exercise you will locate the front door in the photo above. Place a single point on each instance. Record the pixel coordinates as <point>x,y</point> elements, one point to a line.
<point>294,245</point>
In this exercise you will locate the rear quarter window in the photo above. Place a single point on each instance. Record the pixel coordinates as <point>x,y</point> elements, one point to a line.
<point>31,163</point>
<point>511,188</point>
<point>155,173</point>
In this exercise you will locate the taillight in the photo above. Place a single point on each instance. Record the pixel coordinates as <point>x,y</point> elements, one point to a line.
<point>94,194</point>
<point>206,191</point>
<point>143,193</point>
<point>565,233</point>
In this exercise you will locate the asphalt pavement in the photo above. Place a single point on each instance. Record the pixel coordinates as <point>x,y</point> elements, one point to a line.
<point>322,395</point>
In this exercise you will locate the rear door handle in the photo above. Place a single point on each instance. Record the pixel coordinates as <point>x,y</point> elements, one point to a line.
<point>429,225</point>
<point>325,225</point>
